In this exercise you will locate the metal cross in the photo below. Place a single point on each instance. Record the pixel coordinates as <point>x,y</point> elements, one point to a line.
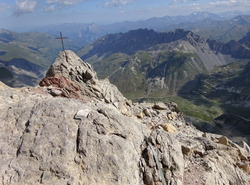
<point>61,37</point>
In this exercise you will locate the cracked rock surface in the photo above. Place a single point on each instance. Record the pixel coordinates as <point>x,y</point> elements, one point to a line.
<point>75,129</point>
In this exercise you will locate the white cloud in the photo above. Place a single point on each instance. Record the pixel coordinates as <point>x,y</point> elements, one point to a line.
<point>181,1</point>
<point>230,2</point>
<point>233,4</point>
<point>29,6</point>
<point>117,3</point>
<point>65,2</point>
<point>25,6</point>
<point>222,2</point>
<point>49,8</point>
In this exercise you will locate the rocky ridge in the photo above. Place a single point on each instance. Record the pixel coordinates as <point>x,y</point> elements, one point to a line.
<point>76,129</point>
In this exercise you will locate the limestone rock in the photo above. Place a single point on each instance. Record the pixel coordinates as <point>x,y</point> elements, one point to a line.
<point>83,113</point>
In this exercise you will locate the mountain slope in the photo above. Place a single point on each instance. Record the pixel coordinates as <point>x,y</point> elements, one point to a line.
<point>144,62</point>
<point>227,87</point>
<point>246,40</point>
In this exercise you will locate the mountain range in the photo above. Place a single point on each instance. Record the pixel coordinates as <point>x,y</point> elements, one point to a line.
<point>164,61</point>
<point>210,26</point>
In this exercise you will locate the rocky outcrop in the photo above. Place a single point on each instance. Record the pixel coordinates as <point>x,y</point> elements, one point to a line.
<point>79,130</point>
<point>70,77</point>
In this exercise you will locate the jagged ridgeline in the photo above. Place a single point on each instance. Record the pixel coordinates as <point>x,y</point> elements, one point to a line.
<point>76,129</point>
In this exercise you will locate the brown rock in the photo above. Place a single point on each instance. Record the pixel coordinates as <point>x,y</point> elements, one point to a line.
<point>223,140</point>
<point>169,128</point>
<point>186,150</point>
<point>244,167</point>
<point>160,106</point>
<point>88,74</point>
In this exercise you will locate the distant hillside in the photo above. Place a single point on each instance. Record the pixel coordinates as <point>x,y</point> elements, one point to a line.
<point>228,85</point>
<point>28,55</point>
<point>225,90</point>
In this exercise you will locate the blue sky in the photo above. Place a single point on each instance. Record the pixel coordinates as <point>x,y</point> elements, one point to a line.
<point>22,14</point>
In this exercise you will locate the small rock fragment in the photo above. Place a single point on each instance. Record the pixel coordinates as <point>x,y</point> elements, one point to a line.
<point>223,140</point>
<point>172,115</point>
<point>56,92</point>
<point>88,75</point>
<point>169,128</point>
<point>160,106</point>
<point>82,114</point>
<point>244,167</point>
<point>186,150</point>
<point>146,112</point>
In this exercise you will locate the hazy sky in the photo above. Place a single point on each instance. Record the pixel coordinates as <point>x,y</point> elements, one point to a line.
<point>25,13</point>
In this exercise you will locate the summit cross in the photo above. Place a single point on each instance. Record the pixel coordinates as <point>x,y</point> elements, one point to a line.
<point>61,37</point>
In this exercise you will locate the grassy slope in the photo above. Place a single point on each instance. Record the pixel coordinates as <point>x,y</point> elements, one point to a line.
<point>130,73</point>
<point>206,103</point>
